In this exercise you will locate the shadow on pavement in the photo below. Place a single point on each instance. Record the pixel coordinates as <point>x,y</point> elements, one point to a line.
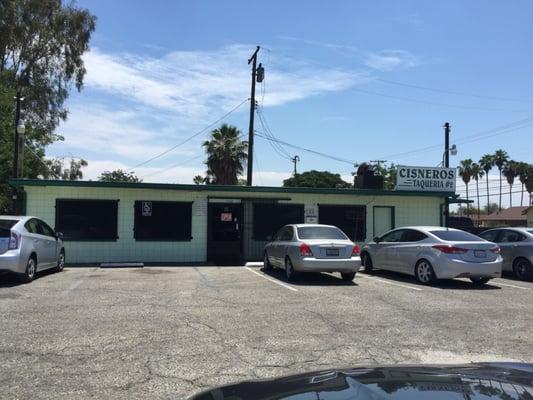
<point>9,279</point>
<point>309,279</point>
<point>439,284</point>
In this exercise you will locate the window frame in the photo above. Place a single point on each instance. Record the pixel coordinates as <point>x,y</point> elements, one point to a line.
<point>67,237</point>
<point>160,239</point>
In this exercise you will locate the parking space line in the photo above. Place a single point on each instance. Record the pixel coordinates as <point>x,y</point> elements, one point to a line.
<point>390,283</point>
<point>272,280</point>
<point>513,286</point>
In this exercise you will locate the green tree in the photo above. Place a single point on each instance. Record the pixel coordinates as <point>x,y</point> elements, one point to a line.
<point>388,172</point>
<point>490,208</point>
<point>500,158</point>
<point>317,179</point>
<point>56,169</point>
<point>477,174</point>
<point>510,171</point>
<point>199,180</point>
<point>226,154</point>
<point>522,169</point>
<point>486,163</point>
<point>41,47</point>
<point>118,175</point>
<point>465,172</point>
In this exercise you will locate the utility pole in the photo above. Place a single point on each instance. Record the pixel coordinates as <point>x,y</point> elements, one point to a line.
<point>249,172</point>
<point>295,160</point>
<point>19,147</point>
<point>446,165</point>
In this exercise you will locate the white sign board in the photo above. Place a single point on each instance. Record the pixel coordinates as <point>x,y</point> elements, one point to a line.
<point>426,179</point>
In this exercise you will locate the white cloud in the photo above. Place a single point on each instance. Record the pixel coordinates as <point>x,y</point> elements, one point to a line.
<point>388,60</point>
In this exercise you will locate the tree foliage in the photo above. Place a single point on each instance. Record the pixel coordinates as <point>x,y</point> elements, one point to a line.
<point>317,179</point>
<point>226,154</point>
<point>118,175</point>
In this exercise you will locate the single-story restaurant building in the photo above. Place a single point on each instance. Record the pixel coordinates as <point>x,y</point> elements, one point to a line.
<point>176,223</point>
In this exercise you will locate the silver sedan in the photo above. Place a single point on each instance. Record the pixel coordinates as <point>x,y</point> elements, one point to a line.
<point>29,245</point>
<point>431,253</point>
<point>517,249</point>
<point>312,248</point>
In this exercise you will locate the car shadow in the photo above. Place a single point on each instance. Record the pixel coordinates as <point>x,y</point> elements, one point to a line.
<point>439,284</point>
<point>309,278</point>
<point>9,279</point>
<point>511,276</point>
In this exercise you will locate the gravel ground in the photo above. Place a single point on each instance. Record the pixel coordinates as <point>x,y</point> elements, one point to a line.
<point>166,333</point>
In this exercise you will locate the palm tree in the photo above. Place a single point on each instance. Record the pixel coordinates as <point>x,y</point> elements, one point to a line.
<point>486,163</point>
<point>529,182</point>
<point>522,175</point>
<point>477,173</point>
<point>226,154</point>
<point>465,172</point>
<point>500,158</point>
<point>510,172</point>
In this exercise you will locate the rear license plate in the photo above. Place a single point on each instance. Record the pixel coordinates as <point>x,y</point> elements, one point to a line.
<point>480,253</point>
<point>332,252</point>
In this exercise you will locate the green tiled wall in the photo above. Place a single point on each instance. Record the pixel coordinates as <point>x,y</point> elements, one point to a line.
<point>41,203</point>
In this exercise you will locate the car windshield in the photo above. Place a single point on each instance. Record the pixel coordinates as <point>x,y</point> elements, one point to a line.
<point>321,232</point>
<point>456,236</point>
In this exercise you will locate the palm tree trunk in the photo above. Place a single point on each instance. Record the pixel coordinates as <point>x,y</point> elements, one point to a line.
<point>467,203</point>
<point>477,190</point>
<point>522,196</point>
<point>500,203</point>
<point>510,195</point>
<point>488,198</point>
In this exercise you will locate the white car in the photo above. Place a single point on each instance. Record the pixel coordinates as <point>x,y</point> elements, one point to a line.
<point>431,253</point>
<point>29,245</point>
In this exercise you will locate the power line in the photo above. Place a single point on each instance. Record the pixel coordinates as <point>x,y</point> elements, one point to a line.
<point>172,166</point>
<point>189,138</point>
<point>276,146</point>
<point>452,92</point>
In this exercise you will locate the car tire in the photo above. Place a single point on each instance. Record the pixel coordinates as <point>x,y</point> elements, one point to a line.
<point>61,261</point>
<point>348,276</point>
<point>522,269</point>
<point>424,272</point>
<point>480,281</point>
<point>31,270</point>
<point>266,264</point>
<point>367,262</point>
<point>290,273</point>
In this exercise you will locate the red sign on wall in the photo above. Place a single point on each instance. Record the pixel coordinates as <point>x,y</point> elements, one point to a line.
<point>226,217</point>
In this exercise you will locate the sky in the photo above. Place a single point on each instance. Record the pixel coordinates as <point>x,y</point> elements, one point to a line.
<point>358,81</point>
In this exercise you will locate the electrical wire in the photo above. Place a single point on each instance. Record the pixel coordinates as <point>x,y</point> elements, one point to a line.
<point>172,166</point>
<point>280,150</point>
<point>189,138</point>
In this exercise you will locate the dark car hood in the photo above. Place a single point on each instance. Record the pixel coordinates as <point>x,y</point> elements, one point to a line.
<point>470,381</point>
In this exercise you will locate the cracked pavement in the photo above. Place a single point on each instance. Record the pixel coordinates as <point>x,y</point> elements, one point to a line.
<point>168,332</point>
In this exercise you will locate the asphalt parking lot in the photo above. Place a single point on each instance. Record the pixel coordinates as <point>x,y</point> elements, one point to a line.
<point>167,333</point>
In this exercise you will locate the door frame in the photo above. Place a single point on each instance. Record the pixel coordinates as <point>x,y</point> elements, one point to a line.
<point>240,216</point>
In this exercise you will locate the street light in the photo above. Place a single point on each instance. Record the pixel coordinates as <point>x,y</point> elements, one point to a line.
<point>452,151</point>
<point>21,128</point>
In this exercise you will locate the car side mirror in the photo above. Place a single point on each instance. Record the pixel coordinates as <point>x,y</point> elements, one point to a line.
<point>59,236</point>
<point>377,239</point>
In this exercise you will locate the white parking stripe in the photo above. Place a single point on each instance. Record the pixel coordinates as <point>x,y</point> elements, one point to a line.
<point>272,280</point>
<point>513,286</point>
<point>390,283</point>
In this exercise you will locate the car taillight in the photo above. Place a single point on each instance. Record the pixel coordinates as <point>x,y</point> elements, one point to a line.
<point>446,248</point>
<point>496,250</point>
<point>355,251</point>
<point>14,241</point>
<point>305,250</point>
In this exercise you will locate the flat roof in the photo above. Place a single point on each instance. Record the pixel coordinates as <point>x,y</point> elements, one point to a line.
<point>224,188</point>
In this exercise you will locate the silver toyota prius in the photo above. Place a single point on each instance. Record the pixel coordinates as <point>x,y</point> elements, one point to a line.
<point>517,249</point>
<point>312,248</point>
<point>431,253</point>
<point>29,245</point>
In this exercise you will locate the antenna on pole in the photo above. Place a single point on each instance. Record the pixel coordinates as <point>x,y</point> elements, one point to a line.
<point>295,160</point>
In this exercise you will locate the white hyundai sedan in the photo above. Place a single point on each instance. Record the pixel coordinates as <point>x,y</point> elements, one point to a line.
<point>431,253</point>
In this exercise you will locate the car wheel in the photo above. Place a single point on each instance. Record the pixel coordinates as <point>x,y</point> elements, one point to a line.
<point>367,262</point>
<point>479,281</point>
<point>31,270</point>
<point>290,273</point>
<point>266,264</point>
<point>424,272</point>
<point>61,262</point>
<point>348,276</point>
<point>522,269</point>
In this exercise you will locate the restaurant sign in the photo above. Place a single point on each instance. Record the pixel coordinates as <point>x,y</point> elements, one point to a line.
<point>426,179</point>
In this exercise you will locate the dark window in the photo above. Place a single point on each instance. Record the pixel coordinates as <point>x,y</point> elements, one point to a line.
<point>508,236</point>
<point>286,234</point>
<point>321,232</point>
<point>411,235</point>
<point>7,223</point>
<point>489,235</point>
<point>393,236</point>
<point>31,226</point>
<point>456,236</point>
<point>44,229</point>
<point>163,220</point>
<point>270,217</point>
<point>350,219</point>
<point>87,219</point>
